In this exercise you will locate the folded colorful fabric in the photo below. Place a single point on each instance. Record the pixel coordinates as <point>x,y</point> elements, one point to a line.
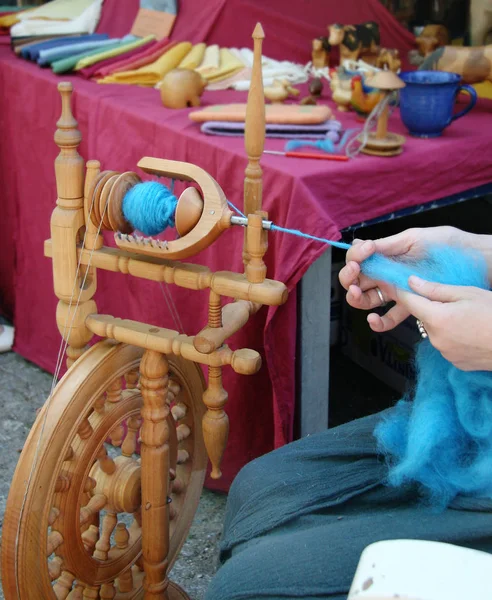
<point>151,74</point>
<point>228,65</point>
<point>274,130</point>
<point>111,52</point>
<point>89,72</point>
<point>67,64</point>
<point>85,22</point>
<point>46,57</point>
<point>146,58</point>
<point>31,51</point>
<point>58,10</point>
<point>194,58</point>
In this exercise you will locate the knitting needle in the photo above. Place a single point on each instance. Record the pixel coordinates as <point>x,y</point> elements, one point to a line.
<point>340,157</point>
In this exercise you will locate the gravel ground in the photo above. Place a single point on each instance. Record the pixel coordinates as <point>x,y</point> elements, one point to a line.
<point>24,388</point>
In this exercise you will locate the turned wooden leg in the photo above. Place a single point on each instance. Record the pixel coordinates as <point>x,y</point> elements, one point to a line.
<point>155,468</point>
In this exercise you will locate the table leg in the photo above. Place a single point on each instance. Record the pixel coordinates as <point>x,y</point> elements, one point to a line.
<point>313,347</point>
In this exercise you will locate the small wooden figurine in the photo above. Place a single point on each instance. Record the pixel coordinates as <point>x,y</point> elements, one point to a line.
<point>382,142</point>
<point>341,89</point>
<point>182,88</point>
<point>388,59</point>
<point>356,40</point>
<point>363,100</point>
<point>320,54</point>
<point>473,64</point>
<point>280,91</point>
<point>480,22</point>
<point>431,38</point>
<point>315,91</point>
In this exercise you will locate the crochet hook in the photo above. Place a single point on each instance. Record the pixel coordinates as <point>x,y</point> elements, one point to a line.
<point>340,157</point>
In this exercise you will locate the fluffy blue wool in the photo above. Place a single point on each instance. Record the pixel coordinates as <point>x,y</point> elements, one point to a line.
<point>149,207</point>
<point>440,435</point>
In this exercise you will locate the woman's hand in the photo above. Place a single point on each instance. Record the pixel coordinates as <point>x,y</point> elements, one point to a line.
<point>362,291</point>
<point>457,319</point>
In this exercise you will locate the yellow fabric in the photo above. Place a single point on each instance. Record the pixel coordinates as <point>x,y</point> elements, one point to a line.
<point>484,89</point>
<point>229,64</point>
<point>58,10</point>
<point>194,57</point>
<point>103,55</point>
<point>151,74</point>
<point>211,60</point>
<point>9,20</point>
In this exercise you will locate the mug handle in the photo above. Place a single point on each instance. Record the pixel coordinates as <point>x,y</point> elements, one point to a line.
<point>471,104</point>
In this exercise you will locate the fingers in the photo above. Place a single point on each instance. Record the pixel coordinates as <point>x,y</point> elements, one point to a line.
<point>359,251</point>
<point>395,245</point>
<point>363,300</point>
<point>349,275</point>
<point>437,291</point>
<point>418,306</point>
<point>396,315</point>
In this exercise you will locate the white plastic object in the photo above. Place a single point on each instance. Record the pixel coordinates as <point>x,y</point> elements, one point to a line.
<point>422,570</point>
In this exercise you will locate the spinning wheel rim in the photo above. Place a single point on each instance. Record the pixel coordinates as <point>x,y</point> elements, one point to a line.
<point>20,560</point>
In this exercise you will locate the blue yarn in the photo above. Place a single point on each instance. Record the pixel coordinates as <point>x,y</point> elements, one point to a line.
<point>149,207</point>
<point>440,435</point>
<point>301,234</point>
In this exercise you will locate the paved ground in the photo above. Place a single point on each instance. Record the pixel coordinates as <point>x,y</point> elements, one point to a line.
<point>24,388</point>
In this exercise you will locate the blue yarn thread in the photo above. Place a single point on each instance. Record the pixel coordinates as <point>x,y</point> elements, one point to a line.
<point>149,207</point>
<point>307,236</point>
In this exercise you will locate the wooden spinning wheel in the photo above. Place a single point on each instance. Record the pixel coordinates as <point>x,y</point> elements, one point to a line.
<point>111,474</point>
<point>84,498</point>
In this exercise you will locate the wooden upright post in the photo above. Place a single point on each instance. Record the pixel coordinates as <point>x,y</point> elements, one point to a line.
<point>67,221</point>
<point>154,380</point>
<point>215,422</point>
<point>254,135</point>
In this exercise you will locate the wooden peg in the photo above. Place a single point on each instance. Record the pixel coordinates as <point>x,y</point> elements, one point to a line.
<point>257,244</point>
<point>254,135</point>
<point>215,422</point>
<point>69,165</point>
<point>93,240</point>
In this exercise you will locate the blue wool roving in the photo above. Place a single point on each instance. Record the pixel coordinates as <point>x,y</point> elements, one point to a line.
<point>440,435</point>
<point>149,207</point>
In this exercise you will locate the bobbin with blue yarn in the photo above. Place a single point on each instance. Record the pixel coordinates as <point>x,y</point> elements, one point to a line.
<point>149,207</point>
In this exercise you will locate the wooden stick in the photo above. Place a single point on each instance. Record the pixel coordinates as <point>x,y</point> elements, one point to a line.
<point>155,479</point>
<point>234,316</point>
<point>189,276</point>
<point>254,135</point>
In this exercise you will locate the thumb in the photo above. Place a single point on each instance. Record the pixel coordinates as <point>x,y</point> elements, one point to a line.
<point>437,292</point>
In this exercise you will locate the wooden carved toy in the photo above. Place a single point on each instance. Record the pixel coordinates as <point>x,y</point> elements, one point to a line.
<point>320,54</point>
<point>474,64</point>
<point>356,40</point>
<point>388,59</point>
<point>341,90</point>
<point>280,91</point>
<point>431,38</point>
<point>364,99</point>
<point>480,22</point>
<point>382,142</point>
<point>315,91</point>
<point>111,474</point>
<point>182,88</point>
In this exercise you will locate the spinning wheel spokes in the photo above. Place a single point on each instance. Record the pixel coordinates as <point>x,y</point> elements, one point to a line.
<point>88,506</point>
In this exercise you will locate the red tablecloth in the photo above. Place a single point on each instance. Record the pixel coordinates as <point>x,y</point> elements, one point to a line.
<point>122,124</point>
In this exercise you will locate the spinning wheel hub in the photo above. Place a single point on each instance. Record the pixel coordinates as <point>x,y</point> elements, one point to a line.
<point>121,488</point>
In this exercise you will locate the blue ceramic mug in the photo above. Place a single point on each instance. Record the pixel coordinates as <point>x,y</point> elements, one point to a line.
<point>427,101</point>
